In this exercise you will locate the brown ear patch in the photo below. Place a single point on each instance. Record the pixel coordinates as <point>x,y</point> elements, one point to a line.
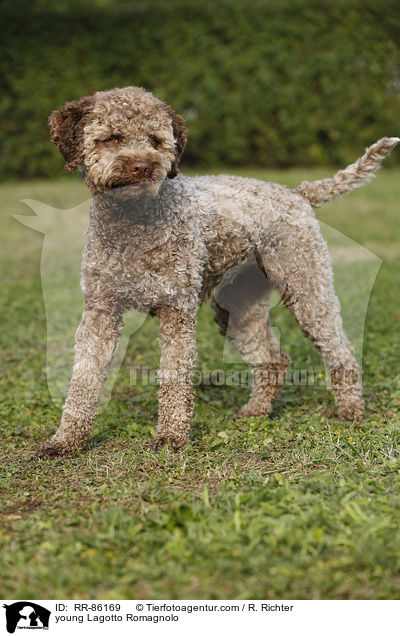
<point>66,128</point>
<point>180,133</point>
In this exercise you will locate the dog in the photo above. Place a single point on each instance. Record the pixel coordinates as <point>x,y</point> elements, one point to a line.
<point>164,243</point>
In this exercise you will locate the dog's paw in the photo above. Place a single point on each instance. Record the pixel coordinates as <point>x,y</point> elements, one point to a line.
<point>251,410</point>
<point>51,450</point>
<point>173,442</point>
<point>353,412</point>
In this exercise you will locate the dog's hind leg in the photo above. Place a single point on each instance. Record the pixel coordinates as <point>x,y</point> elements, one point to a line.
<point>241,311</point>
<point>301,269</point>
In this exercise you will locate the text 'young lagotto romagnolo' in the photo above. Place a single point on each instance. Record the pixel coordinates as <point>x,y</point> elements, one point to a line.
<point>163,243</point>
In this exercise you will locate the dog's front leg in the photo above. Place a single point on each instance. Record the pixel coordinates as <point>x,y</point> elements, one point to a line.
<point>177,340</point>
<point>95,342</point>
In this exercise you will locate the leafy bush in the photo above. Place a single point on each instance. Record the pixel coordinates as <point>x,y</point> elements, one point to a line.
<point>274,84</point>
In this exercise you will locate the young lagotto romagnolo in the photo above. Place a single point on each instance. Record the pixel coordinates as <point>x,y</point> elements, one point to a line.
<point>164,243</point>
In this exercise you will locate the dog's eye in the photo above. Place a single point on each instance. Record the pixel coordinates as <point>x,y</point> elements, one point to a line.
<point>113,140</point>
<point>155,141</point>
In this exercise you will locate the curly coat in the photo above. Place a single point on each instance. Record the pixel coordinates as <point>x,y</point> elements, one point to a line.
<point>164,243</point>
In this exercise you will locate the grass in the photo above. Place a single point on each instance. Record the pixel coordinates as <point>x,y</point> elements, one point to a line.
<point>298,505</point>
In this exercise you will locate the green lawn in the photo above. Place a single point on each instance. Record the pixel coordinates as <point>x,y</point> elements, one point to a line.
<point>298,505</point>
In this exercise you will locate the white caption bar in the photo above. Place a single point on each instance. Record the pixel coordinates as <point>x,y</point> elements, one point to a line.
<point>334,618</point>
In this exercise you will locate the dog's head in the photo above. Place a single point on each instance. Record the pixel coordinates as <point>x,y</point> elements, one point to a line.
<point>124,139</point>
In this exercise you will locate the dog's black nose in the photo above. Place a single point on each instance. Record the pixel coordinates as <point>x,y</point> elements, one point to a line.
<point>140,169</point>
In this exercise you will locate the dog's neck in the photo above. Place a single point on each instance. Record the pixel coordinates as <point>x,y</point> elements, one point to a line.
<point>134,210</point>
<point>120,220</point>
<point>136,206</point>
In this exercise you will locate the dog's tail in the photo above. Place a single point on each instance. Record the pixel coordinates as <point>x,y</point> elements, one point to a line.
<point>354,176</point>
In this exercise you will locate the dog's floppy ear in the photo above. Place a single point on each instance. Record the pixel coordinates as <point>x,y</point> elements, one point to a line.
<point>66,128</point>
<point>180,133</point>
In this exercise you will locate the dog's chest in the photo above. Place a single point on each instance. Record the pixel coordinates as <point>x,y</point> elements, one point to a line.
<point>141,266</point>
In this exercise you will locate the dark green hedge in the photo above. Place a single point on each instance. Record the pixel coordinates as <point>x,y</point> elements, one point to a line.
<point>267,83</point>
